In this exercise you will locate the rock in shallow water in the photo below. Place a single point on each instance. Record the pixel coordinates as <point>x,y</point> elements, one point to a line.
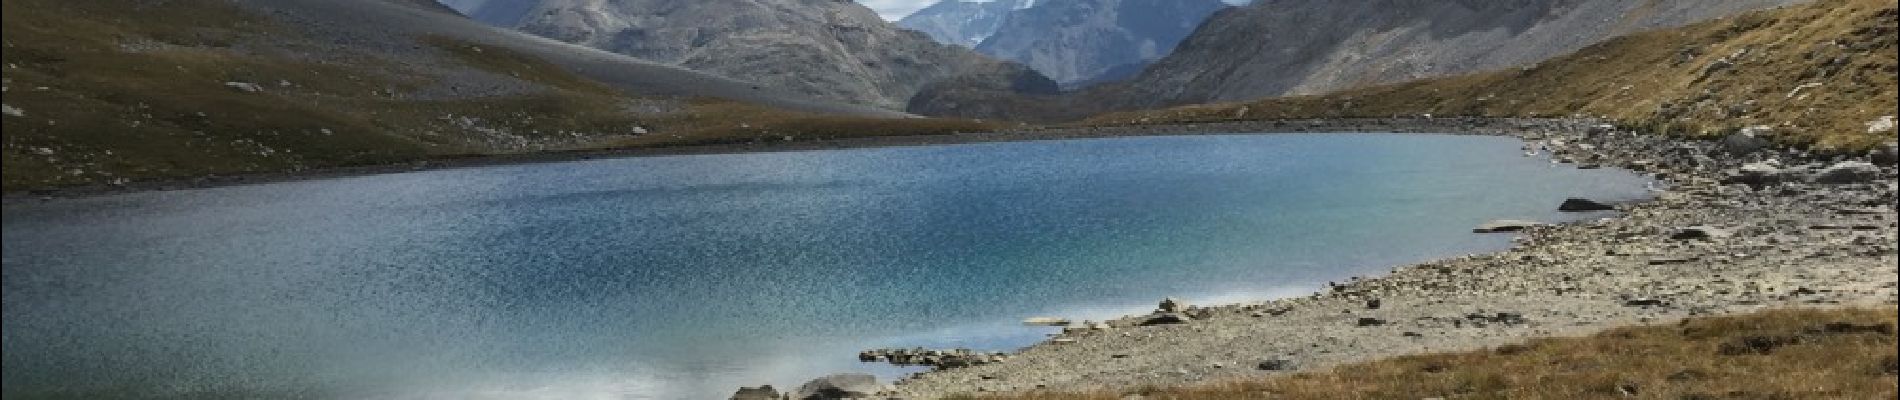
<point>1575,204</point>
<point>1505,225</point>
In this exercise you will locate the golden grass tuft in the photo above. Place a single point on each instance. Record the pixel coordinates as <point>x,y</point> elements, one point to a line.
<point>1778,354</point>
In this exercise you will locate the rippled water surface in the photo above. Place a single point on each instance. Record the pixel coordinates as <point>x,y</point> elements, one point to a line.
<point>688,276</point>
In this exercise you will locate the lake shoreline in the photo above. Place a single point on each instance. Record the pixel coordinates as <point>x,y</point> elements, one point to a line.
<point>1799,235</point>
<point>1455,126</point>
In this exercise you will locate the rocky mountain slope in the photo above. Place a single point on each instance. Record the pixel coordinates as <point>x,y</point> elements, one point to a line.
<point>962,22</point>
<point>1287,47</point>
<point>1291,47</point>
<point>833,49</point>
<point>1077,41</point>
<point>100,93</point>
<point>1818,75</point>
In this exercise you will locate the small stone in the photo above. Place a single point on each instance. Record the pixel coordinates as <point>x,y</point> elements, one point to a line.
<point>1275,365</point>
<point>1643,302</point>
<point>1672,260</point>
<point>246,87</point>
<point>1368,321</point>
<point>1699,233</point>
<point>1881,125</point>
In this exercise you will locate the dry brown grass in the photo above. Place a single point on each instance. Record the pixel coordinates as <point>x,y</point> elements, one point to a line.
<point>1817,72</point>
<point>116,91</point>
<point>1782,354</point>
<point>713,122</point>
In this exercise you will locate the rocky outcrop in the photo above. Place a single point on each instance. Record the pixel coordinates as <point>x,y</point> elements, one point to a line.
<point>1077,41</point>
<point>832,49</point>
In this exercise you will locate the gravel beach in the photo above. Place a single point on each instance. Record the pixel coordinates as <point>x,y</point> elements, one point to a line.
<point>1738,227</point>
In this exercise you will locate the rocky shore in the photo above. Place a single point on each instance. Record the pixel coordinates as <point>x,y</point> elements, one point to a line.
<point>1739,225</point>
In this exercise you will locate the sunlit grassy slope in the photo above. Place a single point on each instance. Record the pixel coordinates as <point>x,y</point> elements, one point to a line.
<point>1785,354</point>
<point>1817,72</point>
<point>106,92</point>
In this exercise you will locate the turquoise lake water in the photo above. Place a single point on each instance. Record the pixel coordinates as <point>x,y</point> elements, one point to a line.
<point>688,276</point>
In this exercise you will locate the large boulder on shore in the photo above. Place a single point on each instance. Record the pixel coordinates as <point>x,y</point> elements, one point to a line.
<point>1172,305</point>
<point>1575,204</point>
<point>1759,174</point>
<point>757,393</point>
<point>839,386</point>
<point>1748,141</point>
<point>1886,154</point>
<point>1846,172</point>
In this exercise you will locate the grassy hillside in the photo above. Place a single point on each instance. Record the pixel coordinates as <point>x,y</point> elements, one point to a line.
<point>1818,73</point>
<point>101,92</point>
<point>1786,354</point>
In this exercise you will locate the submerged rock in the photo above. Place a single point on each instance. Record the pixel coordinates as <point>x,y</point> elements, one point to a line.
<point>1506,225</point>
<point>1575,204</point>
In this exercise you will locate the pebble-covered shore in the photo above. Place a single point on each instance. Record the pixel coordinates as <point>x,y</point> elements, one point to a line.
<point>1739,226</point>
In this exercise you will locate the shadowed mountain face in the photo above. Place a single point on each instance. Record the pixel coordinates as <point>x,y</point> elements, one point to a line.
<point>826,48</point>
<point>1075,41</point>
<point>962,22</point>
